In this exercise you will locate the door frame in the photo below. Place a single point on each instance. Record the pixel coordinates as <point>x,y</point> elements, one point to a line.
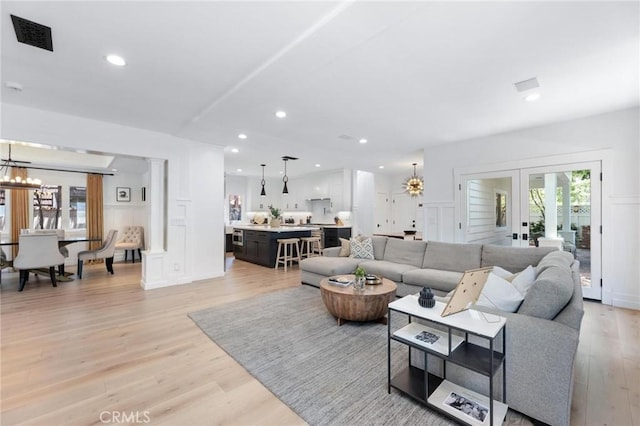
<point>604,156</point>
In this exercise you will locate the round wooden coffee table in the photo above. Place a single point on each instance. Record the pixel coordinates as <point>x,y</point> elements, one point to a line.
<point>348,304</point>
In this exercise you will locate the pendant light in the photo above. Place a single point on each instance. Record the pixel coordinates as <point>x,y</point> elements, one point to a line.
<point>414,185</point>
<point>285,179</point>
<point>262,182</point>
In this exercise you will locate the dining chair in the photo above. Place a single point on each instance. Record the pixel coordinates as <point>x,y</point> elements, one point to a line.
<point>63,250</point>
<point>104,252</point>
<point>132,239</point>
<point>4,263</point>
<point>37,251</point>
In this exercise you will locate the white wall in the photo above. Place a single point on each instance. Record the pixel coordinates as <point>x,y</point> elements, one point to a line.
<point>194,246</point>
<point>616,133</point>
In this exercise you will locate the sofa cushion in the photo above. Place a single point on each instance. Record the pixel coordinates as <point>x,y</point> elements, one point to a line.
<point>390,270</point>
<point>523,280</point>
<point>513,258</point>
<point>329,266</point>
<point>555,258</point>
<point>443,281</point>
<point>452,256</point>
<point>408,252</point>
<point>379,244</point>
<point>361,249</point>
<point>549,294</point>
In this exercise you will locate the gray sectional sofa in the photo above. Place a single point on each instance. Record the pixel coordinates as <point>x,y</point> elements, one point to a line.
<point>542,335</point>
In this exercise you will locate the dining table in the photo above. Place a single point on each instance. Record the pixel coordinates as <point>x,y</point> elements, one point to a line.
<point>63,276</point>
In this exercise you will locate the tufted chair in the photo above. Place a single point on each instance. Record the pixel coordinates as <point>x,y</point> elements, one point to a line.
<point>132,239</point>
<point>104,252</point>
<point>63,250</point>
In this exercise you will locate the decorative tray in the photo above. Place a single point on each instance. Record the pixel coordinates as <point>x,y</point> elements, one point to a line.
<point>372,280</point>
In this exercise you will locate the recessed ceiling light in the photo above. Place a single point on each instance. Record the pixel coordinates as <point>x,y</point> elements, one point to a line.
<point>381,167</point>
<point>532,97</point>
<point>317,165</point>
<point>235,150</point>
<point>238,170</point>
<point>116,60</point>
<point>242,136</point>
<point>281,114</point>
<point>362,140</point>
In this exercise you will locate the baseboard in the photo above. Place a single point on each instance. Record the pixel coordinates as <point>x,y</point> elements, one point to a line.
<point>626,300</point>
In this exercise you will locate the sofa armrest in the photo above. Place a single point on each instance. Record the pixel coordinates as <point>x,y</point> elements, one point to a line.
<point>540,360</point>
<point>331,251</point>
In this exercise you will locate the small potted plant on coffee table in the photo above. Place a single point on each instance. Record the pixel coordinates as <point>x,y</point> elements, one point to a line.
<point>360,274</point>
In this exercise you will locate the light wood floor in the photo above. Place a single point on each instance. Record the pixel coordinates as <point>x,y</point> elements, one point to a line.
<point>102,346</point>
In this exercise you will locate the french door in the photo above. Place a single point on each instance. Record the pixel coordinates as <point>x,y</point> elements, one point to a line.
<point>557,206</point>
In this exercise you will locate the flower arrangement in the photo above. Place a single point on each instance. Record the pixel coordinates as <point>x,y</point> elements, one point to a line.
<point>275,212</point>
<point>360,272</point>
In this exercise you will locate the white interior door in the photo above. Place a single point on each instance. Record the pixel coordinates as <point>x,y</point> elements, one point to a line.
<point>561,206</point>
<point>382,212</point>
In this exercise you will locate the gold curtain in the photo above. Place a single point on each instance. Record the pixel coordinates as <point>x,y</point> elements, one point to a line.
<point>95,217</point>
<point>19,208</point>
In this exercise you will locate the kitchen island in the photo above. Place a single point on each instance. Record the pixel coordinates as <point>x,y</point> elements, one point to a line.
<point>258,243</point>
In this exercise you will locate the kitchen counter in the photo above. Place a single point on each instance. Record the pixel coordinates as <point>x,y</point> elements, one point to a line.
<point>283,228</point>
<point>259,243</point>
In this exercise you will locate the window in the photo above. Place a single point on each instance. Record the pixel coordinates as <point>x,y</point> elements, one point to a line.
<point>77,207</point>
<point>46,207</point>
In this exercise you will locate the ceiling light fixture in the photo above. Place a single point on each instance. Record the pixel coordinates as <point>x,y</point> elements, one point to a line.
<point>116,60</point>
<point>317,165</point>
<point>532,97</point>
<point>263,193</point>
<point>235,150</point>
<point>281,114</point>
<point>285,178</point>
<point>363,141</point>
<point>242,136</point>
<point>8,182</point>
<point>414,185</point>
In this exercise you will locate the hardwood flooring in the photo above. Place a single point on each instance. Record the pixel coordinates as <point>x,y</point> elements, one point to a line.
<point>103,351</point>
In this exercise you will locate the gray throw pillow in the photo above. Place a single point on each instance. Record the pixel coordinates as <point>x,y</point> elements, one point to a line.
<point>549,294</point>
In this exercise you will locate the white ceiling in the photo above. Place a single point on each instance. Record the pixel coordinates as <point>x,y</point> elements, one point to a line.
<point>404,75</point>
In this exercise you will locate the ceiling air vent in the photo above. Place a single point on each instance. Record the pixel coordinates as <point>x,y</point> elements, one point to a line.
<point>523,86</point>
<point>32,33</point>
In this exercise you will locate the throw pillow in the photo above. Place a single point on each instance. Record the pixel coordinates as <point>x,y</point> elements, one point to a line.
<point>524,280</point>
<point>361,249</point>
<point>498,293</point>
<point>502,273</point>
<point>345,247</point>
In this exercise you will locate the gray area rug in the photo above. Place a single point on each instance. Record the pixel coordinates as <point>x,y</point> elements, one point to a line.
<point>329,375</point>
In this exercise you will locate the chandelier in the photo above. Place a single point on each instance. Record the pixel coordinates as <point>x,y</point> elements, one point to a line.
<point>414,185</point>
<point>7,182</point>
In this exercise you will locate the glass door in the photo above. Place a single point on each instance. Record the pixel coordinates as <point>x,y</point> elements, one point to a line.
<point>490,208</point>
<point>561,207</point>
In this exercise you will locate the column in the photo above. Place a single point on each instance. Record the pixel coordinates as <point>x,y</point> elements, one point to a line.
<point>550,206</point>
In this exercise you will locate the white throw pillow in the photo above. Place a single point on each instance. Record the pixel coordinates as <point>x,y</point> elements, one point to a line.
<point>502,273</point>
<point>361,249</point>
<point>524,280</point>
<point>500,294</point>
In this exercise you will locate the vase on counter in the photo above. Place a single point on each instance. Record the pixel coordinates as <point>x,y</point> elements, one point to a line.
<point>275,223</point>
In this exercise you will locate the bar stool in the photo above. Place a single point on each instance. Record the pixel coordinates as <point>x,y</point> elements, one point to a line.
<point>313,246</point>
<point>288,244</point>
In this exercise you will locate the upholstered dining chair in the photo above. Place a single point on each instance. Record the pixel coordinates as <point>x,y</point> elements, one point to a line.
<point>63,250</point>
<point>132,239</point>
<point>37,251</point>
<point>104,252</point>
